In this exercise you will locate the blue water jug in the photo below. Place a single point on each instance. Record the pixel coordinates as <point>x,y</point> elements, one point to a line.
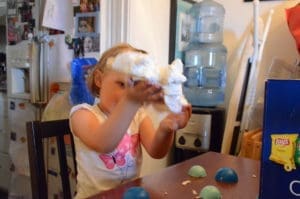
<point>207,18</point>
<point>205,70</point>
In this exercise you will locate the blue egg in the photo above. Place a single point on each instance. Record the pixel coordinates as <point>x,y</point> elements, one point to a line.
<point>226,175</point>
<point>136,193</point>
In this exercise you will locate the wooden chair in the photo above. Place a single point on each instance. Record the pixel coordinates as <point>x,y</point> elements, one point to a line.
<point>37,131</point>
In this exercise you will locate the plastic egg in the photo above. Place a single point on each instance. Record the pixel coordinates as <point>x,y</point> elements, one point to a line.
<point>136,193</point>
<point>210,192</point>
<point>226,175</point>
<point>197,171</point>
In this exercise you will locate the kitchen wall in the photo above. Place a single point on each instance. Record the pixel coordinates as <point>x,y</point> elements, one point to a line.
<point>279,43</point>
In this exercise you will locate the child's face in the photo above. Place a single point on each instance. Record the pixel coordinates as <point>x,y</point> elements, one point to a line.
<point>113,88</point>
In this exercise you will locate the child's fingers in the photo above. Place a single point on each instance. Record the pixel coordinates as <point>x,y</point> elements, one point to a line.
<point>143,91</point>
<point>188,110</point>
<point>183,117</point>
<point>156,97</point>
<point>186,114</point>
<point>153,93</point>
<point>169,125</point>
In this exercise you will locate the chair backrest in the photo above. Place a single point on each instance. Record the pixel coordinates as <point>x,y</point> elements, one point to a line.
<point>37,131</point>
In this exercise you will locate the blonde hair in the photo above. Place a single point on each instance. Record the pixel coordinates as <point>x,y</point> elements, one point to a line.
<point>102,64</point>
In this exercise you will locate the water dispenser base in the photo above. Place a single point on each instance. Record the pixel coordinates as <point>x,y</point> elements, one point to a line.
<point>217,123</point>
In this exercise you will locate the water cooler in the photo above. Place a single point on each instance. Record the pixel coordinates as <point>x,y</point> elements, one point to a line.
<point>203,133</point>
<point>205,68</point>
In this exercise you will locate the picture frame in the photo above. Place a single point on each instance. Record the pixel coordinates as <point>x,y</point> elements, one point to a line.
<point>91,44</point>
<point>87,24</point>
<point>84,6</point>
<point>179,28</point>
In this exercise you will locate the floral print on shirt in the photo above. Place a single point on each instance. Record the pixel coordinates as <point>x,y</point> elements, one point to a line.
<point>128,146</point>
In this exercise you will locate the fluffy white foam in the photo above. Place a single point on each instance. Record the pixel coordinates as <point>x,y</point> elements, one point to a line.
<point>170,77</point>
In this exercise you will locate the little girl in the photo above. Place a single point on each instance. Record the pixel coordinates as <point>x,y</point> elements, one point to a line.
<point>108,135</point>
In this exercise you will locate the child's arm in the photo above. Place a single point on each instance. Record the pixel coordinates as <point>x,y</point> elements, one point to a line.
<point>104,137</point>
<point>158,143</point>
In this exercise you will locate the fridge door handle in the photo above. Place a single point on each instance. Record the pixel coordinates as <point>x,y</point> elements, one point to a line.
<point>34,73</point>
<point>38,78</point>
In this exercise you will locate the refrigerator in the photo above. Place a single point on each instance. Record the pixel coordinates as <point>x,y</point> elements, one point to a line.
<point>19,61</point>
<point>28,94</point>
<point>38,83</point>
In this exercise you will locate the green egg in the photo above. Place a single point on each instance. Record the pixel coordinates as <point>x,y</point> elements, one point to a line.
<point>210,192</point>
<point>197,171</point>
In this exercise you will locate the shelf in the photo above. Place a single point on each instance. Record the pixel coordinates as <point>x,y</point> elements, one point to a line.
<point>20,66</point>
<point>19,95</point>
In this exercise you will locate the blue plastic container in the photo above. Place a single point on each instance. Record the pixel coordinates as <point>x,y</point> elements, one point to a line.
<point>207,18</point>
<point>205,69</point>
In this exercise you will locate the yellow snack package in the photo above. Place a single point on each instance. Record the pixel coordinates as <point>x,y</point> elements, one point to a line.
<point>283,150</point>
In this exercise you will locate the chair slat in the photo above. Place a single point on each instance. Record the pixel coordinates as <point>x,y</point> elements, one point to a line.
<point>36,132</point>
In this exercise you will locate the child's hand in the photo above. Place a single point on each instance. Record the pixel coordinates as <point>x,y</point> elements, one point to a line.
<point>177,121</point>
<point>143,91</point>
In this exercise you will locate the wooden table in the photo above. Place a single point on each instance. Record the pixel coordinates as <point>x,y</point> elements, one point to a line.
<point>167,183</point>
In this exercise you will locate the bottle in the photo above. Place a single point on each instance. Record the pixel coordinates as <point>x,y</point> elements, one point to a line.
<point>207,19</point>
<point>297,152</point>
<point>205,70</point>
<point>205,56</point>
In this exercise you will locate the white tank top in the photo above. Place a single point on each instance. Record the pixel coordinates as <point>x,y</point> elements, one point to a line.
<point>98,172</point>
